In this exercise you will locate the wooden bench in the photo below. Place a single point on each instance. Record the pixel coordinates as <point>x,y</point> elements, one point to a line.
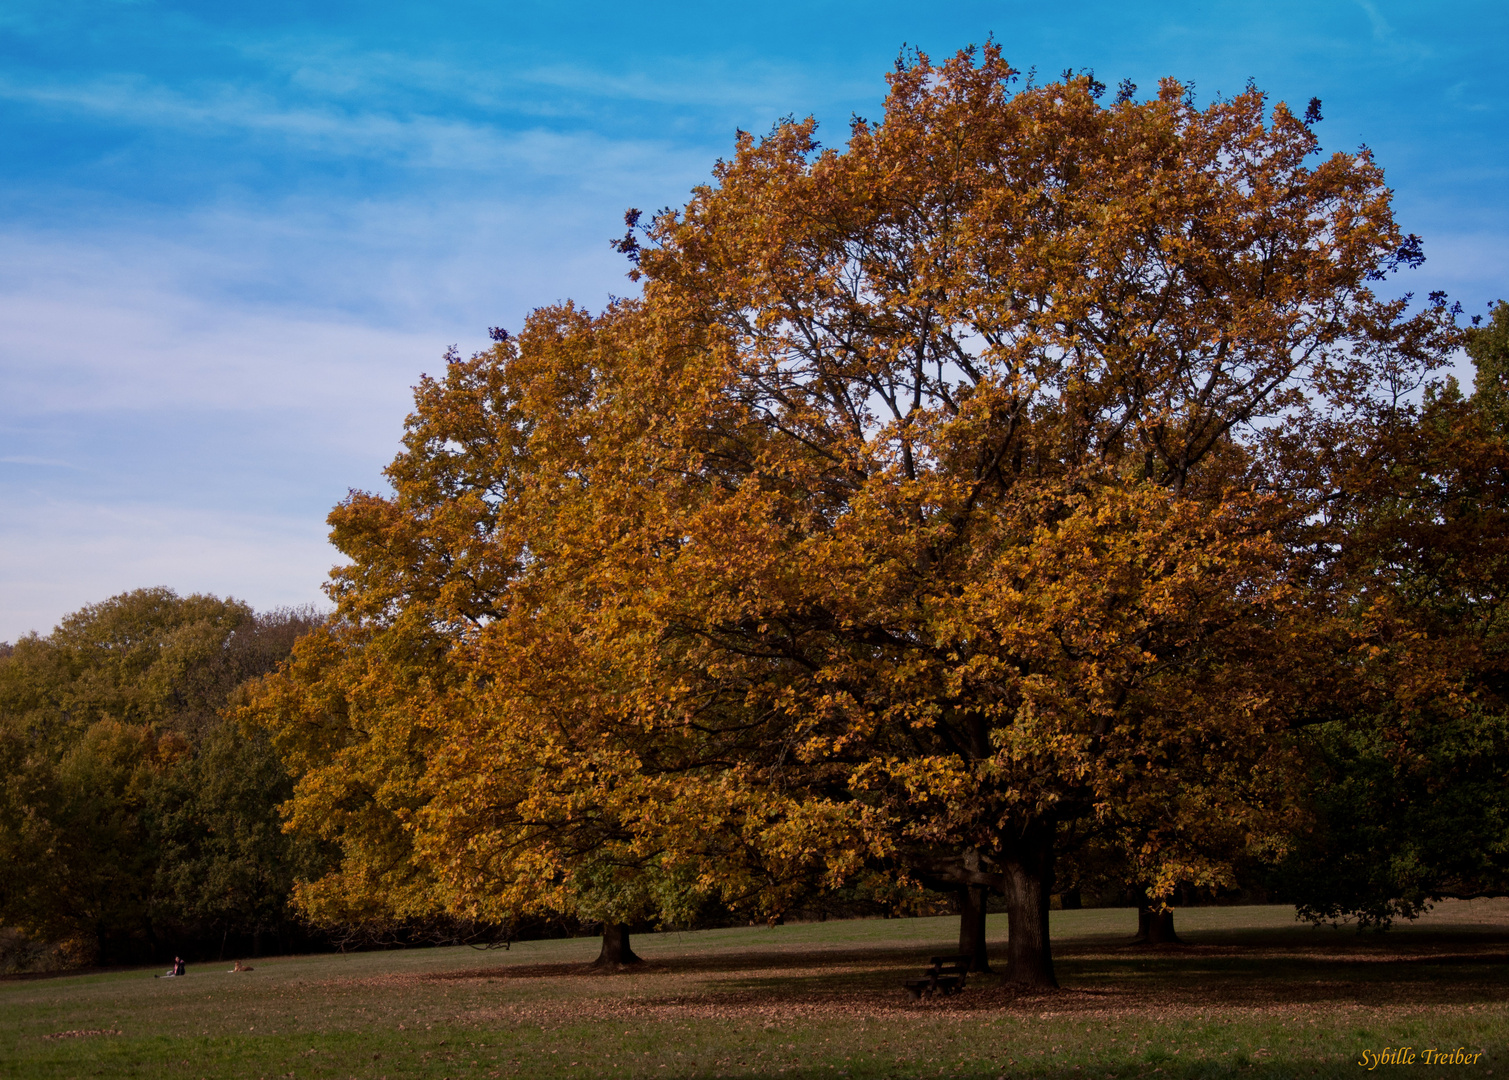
<point>945,975</point>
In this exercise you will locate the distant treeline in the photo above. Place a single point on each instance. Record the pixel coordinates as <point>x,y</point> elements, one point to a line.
<point>134,818</point>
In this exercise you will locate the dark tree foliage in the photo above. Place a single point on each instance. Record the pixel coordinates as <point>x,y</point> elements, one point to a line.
<point>1403,822</point>
<point>137,819</point>
<point>1489,348</point>
<point>1409,787</point>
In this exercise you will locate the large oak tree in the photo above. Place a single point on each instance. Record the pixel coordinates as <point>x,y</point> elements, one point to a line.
<point>986,504</point>
<point>942,492</point>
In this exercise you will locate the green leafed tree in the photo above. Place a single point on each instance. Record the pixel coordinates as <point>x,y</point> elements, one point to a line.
<point>1409,770</point>
<point>140,819</point>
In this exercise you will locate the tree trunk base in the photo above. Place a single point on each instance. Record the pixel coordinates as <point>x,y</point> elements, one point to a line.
<point>1156,927</point>
<point>972,901</point>
<point>1029,881</point>
<point>616,952</point>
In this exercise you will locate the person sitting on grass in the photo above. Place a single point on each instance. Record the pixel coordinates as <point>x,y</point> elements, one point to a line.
<point>176,969</point>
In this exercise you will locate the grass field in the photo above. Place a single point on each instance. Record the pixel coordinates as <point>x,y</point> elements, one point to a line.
<point>1250,994</point>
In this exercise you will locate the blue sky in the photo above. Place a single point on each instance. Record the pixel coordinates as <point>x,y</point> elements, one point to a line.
<point>234,235</point>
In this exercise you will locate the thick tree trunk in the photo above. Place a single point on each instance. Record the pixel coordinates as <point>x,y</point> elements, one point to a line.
<point>1029,881</point>
<point>1155,926</point>
<point>615,952</point>
<point>972,926</point>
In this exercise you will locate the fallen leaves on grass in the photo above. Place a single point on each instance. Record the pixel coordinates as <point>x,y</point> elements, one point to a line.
<point>82,1032</point>
<point>778,983</point>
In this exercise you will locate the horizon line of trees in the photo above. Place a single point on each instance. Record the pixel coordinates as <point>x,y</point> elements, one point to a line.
<point>1032,498</point>
<point>136,819</point>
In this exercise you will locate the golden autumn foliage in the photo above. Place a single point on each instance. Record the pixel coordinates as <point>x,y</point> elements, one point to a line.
<point>941,494</point>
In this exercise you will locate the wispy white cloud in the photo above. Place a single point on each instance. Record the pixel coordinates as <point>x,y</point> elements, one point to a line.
<point>511,81</point>
<point>85,330</point>
<point>39,462</point>
<point>447,109</point>
<point>1390,41</point>
<point>1382,31</point>
<point>416,139</point>
<point>250,368</point>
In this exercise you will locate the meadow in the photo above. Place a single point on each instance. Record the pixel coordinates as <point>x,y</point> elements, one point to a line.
<point>1251,993</point>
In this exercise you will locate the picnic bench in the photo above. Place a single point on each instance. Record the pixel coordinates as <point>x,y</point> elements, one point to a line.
<point>945,975</point>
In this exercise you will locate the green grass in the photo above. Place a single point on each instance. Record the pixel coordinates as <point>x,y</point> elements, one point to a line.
<point>1251,994</point>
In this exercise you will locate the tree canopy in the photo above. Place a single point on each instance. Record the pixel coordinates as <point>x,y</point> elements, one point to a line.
<point>946,497</point>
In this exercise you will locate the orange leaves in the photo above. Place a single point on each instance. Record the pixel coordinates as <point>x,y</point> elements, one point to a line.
<point>935,495</point>
<point>1013,372</point>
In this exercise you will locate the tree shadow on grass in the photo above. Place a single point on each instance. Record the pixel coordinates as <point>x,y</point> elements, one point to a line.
<point>777,958</point>
<point>1262,969</point>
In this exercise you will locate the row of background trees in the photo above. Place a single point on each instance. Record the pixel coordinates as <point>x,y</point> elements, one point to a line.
<point>135,818</point>
<point>1033,497</point>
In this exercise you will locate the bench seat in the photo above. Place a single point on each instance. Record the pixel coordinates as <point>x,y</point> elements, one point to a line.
<point>945,975</point>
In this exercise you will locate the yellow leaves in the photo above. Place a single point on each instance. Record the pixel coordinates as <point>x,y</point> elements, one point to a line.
<point>916,503</point>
